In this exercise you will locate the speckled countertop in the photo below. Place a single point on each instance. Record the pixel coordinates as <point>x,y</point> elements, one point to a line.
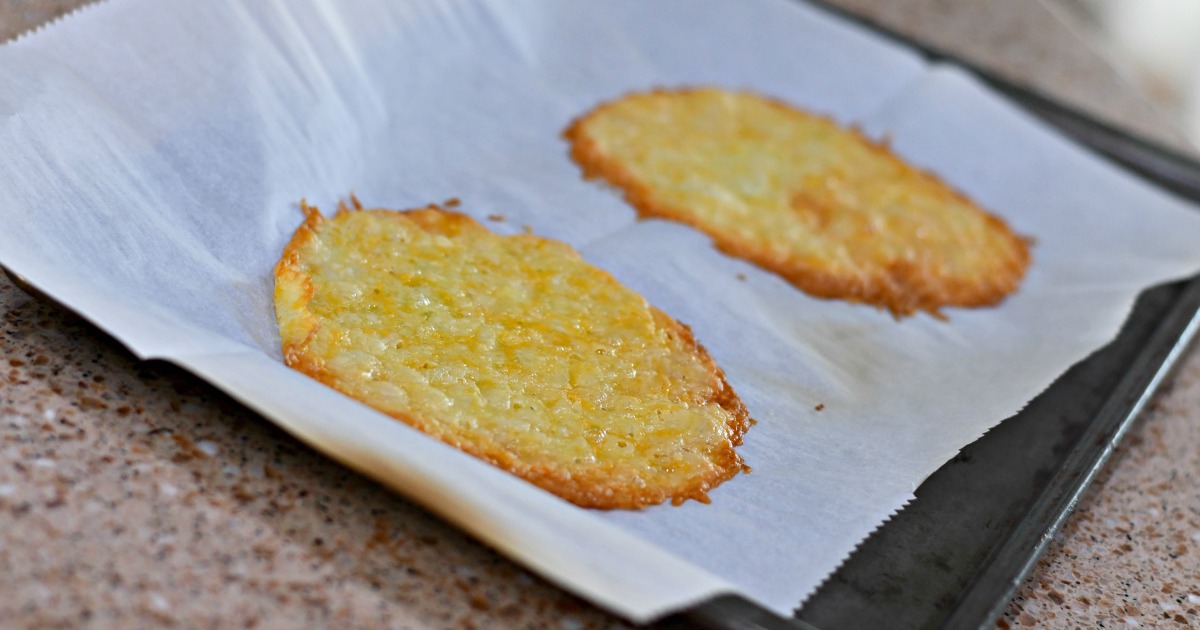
<point>134,495</point>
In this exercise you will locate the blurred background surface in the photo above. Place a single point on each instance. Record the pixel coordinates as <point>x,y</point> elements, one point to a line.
<point>1152,44</point>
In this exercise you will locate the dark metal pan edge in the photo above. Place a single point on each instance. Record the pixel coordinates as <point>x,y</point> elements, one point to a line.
<point>1003,572</point>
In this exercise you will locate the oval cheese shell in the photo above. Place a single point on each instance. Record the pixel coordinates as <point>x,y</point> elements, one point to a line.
<point>511,348</point>
<point>833,213</point>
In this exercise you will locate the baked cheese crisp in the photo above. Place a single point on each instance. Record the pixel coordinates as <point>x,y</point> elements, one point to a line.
<point>835,214</point>
<point>511,348</point>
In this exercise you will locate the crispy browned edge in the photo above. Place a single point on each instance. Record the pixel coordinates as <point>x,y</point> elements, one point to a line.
<point>586,491</point>
<point>900,288</point>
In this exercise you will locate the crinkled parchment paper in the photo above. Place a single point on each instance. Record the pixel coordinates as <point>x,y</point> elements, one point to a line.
<point>153,154</point>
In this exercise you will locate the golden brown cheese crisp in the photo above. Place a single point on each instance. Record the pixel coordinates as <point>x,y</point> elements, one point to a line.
<point>835,214</point>
<point>511,348</point>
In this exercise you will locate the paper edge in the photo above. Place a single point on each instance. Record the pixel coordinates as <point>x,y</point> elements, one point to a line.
<point>24,36</point>
<point>825,580</point>
<point>115,330</point>
<point>702,585</point>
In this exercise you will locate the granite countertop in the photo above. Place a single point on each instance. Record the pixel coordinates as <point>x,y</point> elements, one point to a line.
<point>132,494</point>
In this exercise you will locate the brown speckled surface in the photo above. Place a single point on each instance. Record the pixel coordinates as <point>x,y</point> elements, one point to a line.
<point>134,495</point>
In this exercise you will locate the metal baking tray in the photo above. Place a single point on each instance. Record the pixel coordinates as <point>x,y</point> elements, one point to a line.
<point>955,556</point>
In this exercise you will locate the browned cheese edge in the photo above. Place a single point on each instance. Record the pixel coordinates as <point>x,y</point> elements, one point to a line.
<point>585,491</point>
<point>899,288</point>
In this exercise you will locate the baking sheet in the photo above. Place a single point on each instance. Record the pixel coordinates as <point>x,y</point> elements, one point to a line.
<point>155,153</point>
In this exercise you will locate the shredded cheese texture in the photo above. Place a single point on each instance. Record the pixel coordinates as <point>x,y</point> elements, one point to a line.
<point>835,214</point>
<point>511,348</point>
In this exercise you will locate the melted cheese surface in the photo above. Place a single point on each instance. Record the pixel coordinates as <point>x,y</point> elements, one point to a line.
<point>511,348</point>
<point>800,194</point>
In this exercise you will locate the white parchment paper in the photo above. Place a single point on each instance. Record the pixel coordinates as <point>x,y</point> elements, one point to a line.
<point>153,154</point>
